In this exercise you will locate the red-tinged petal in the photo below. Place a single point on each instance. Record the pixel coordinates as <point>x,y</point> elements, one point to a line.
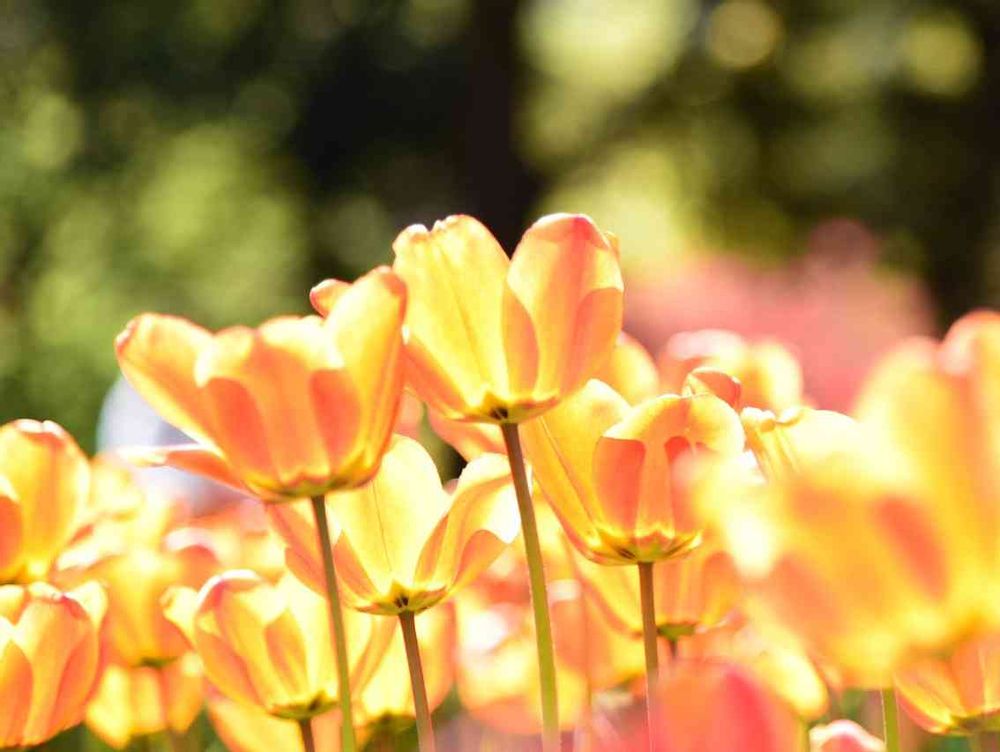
<point>192,458</point>
<point>455,277</point>
<point>711,381</point>
<point>16,686</point>
<point>12,538</point>
<point>325,295</point>
<point>157,354</point>
<point>366,326</point>
<point>562,307</point>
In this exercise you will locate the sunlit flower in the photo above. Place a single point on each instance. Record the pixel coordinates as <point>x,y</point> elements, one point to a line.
<point>495,340</point>
<point>294,408</point>
<point>49,659</point>
<point>405,543</point>
<point>615,474</point>
<point>44,487</point>
<point>630,371</point>
<point>133,702</point>
<point>782,443</point>
<point>955,694</point>
<point>843,736</point>
<point>267,645</point>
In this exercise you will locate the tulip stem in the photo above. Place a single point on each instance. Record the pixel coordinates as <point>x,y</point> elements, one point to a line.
<point>649,646</point>
<point>976,743</point>
<point>890,720</point>
<point>306,729</point>
<point>425,729</point>
<point>348,743</point>
<point>539,596</point>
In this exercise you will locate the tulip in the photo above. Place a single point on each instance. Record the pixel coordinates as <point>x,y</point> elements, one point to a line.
<point>843,736</point>
<point>955,694</point>
<point>769,375</point>
<point>295,408</point>
<point>134,702</point>
<point>259,643</point>
<point>49,659</point>
<point>781,443</point>
<point>44,483</point>
<point>498,341</point>
<point>630,371</point>
<point>405,544</point>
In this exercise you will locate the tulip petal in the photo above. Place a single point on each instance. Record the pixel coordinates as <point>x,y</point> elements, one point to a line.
<point>157,354</point>
<point>562,306</point>
<point>192,458</point>
<point>455,275</point>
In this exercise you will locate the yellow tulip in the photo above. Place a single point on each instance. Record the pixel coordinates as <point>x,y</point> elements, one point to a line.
<point>615,474</point>
<point>500,341</point>
<point>49,659</point>
<point>244,728</point>
<point>295,408</point>
<point>44,487</point>
<point>266,645</point>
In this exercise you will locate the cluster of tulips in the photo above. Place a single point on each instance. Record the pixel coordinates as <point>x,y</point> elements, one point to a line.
<point>675,554</point>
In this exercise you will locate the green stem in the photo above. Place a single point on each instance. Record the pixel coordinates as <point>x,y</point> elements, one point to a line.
<point>306,730</point>
<point>890,720</point>
<point>976,743</point>
<point>649,647</point>
<point>539,596</point>
<point>348,743</point>
<point>425,729</point>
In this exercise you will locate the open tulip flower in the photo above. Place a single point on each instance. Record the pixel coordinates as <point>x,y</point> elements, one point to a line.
<point>799,435</point>
<point>44,487</point>
<point>843,736</point>
<point>955,694</point>
<point>614,474</point>
<point>405,543</point>
<point>495,340</point>
<point>293,409</point>
<point>770,376</point>
<point>135,702</point>
<point>49,659</point>
<point>264,645</point>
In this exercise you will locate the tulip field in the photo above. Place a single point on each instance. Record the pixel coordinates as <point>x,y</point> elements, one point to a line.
<point>672,551</point>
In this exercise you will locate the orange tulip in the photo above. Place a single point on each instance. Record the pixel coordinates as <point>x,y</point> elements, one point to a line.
<point>955,694</point>
<point>266,645</point>
<point>44,483</point>
<point>615,475</point>
<point>244,728</point>
<point>780,444</point>
<point>240,535</point>
<point>134,702</point>
<point>406,544</point>
<point>295,408</point>
<point>843,736</point>
<point>387,699</point>
<point>500,341</point>
<point>857,570</point>
<point>769,375</point>
<point>49,659</point>
<point>690,594</point>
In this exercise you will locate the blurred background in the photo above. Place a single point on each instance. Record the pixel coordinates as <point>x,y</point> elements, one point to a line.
<point>823,171</point>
